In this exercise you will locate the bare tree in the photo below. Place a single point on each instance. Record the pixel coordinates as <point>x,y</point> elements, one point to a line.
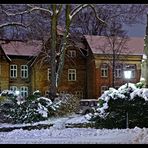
<point>54,11</point>
<point>127,14</point>
<point>114,46</point>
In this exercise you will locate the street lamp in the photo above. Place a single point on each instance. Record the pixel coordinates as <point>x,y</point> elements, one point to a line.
<point>127,75</point>
<point>17,92</point>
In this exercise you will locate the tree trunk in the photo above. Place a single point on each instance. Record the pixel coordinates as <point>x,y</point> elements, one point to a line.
<point>146,74</point>
<point>53,52</point>
<point>146,53</point>
<point>64,43</point>
<point>113,70</point>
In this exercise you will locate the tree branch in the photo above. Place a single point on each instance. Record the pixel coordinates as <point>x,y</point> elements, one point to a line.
<point>13,24</point>
<point>59,10</point>
<point>32,8</point>
<point>80,7</point>
<point>95,12</point>
<point>77,9</point>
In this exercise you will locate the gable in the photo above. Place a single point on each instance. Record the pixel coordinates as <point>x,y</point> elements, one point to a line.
<point>100,45</point>
<point>18,48</point>
<point>3,55</point>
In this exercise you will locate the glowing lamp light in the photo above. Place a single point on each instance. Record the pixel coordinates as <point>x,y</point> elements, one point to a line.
<point>127,74</point>
<point>17,92</point>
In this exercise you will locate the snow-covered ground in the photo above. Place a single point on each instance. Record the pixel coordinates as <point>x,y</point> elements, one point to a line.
<point>58,134</point>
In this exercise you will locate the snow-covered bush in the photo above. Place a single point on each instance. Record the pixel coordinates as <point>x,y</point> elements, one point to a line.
<point>67,104</point>
<point>122,107</point>
<point>32,109</point>
<point>37,108</point>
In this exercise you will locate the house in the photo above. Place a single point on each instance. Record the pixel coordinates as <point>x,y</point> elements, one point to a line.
<point>15,72</point>
<point>87,70</point>
<point>73,79</point>
<point>100,62</point>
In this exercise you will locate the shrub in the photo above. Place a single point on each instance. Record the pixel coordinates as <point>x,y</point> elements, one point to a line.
<point>116,108</point>
<point>36,108</point>
<point>32,109</point>
<point>67,104</point>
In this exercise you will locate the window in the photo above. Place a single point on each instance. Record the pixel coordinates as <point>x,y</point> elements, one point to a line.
<point>24,71</point>
<point>71,53</point>
<point>13,88</point>
<point>104,70</point>
<point>48,74</point>
<point>103,89</point>
<point>24,91</point>
<point>13,71</point>
<point>62,92</point>
<point>118,71</point>
<point>71,74</point>
<point>131,67</point>
<point>46,93</point>
<point>79,94</point>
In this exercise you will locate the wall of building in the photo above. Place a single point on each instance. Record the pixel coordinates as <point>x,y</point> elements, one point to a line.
<point>107,81</point>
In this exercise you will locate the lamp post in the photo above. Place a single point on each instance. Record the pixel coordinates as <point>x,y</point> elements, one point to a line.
<point>127,75</point>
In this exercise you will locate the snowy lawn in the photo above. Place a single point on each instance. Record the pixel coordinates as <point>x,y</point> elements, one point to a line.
<point>58,134</point>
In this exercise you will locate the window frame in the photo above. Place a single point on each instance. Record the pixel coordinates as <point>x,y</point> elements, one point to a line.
<point>13,70</point>
<point>72,75</point>
<point>13,88</point>
<point>24,71</point>
<point>118,71</point>
<point>131,67</point>
<point>24,93</point>
<point>79,94</point>
<point>72,53</point>
<point>103,90</point>
<point>104,70</point>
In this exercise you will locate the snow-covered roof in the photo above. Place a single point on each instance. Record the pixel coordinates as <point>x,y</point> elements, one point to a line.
<point>100,45</point>
<point>18,48</point>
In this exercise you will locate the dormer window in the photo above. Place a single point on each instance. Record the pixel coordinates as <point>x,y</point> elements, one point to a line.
<point>71,53</point>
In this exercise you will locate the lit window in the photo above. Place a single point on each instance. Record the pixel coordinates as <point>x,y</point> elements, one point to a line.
<point>132,68</point>
<point>71,74</point>
<point>103,89</point>
<point>24,91</point>
<point>48,74</point>
<point>79,94</point>
<point>13,71</point>
<point>71,53</point>
<point>24,71</point>
<point>104,70</point>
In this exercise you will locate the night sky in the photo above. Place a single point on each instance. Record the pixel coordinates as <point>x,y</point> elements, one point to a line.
<point>137,30</point>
